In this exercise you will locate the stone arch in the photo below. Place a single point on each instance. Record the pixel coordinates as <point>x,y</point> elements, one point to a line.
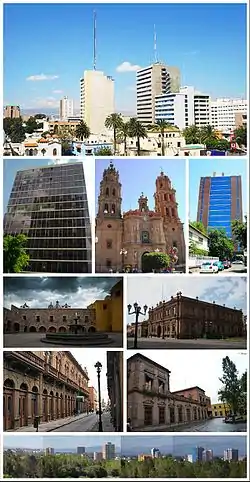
<point>8,403</point>
<point>57,407</point>
<point>113,210</point>
<point>180,414</point>
<point>34,401</point>
<point>61,406</point>
<point>159,331</point>
<point>113,192</point>
<point>52,329</point>
<point>32,329</point>
<point>42,329</point>
<point>31,152</point>
<point>107,191</point>
<point>144,269</point>
<point>16,327</point>
<point>54,152</point>
<point>25,329</point>
<point>23,404</point>
<point>62,329</point>
<point>91,329</point>
<point>45,405</point>
<point>51,405</point>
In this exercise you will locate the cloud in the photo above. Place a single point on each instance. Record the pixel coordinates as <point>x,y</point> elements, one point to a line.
<point>57,91</point>
<point>45,102</point>
<point>39,77</point>
<point>131,88</point>
<point>192,52</point>
<point>127,67</point>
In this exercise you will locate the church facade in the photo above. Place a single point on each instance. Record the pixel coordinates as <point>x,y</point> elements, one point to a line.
<point>122,239</point>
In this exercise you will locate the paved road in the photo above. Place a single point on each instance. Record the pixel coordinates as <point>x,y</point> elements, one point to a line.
<point>171,343</point>
<point>86,424</point>
<point>213,425</point>
<point>33,340</point>
<point>229,271</point>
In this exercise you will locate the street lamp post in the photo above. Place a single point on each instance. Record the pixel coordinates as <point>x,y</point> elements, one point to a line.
<point>98,367</point>
<point>123,254</point>
<point>137,312</point>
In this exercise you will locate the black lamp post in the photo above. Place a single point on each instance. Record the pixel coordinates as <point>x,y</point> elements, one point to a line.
<point>137,311</point>
<point>98,367</point>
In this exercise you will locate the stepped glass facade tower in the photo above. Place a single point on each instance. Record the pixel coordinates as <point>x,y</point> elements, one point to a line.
<point>49,205</point>
<point>123,239</point>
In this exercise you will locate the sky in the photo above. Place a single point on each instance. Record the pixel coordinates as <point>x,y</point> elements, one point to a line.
<point>190,372</point>
<point>11,166</point>
<point>231,291</point>
<point>206,167</point>
<point>62,442</point>
<point>182,445</point>
<point>139,175</point>
<point>39,292</point>
<point>206,42</point>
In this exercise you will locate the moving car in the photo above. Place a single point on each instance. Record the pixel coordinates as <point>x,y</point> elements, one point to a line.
<point>209,267</point>
<point>226,264</point>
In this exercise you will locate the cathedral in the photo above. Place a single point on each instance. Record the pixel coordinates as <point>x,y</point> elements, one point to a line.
<point>122,239</point>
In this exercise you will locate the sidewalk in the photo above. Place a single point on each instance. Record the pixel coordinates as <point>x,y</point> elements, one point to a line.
<point>52,425</point>
<point>106,424</point>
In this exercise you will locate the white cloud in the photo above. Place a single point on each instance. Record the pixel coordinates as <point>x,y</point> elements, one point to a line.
<point>57,91</point>
<point>127,67</point>
<point>45,102</point>
<point>39,77</point>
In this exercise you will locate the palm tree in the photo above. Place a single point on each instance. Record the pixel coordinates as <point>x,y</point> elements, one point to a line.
<point>137,129</point>
<point>114,121</point>
<point>82,131</point>
<point>124,132</point>
<point>208,134</point>
<point>161,125</point>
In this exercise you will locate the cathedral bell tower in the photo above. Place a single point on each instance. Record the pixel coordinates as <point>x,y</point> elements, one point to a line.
<point>109,199</point>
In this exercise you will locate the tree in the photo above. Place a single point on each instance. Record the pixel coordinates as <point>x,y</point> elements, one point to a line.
<point>161,125</point>
<point>103,151</point>
<point>231,390</point>
<point>198,225</point>
<point>239,231</point>
<point>137,130</point>
<point>14,129</point>
<point>82,131</point>
<point>31,125</point>
<point>208,136</point>
<point>155,262</point>
<point>195,251</point>
<point>241,136</point>
<point>192,135</point>
<point>40,116</point>
<point>114,121</point>
<point>124,133</point>
<point>219,244</point>
<point>16,258</point>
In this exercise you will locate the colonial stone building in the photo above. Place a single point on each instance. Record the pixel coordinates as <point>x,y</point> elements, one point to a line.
<point>150,401</point>
<point>48,385</point>
<point>123,239</point>
<point>93,402</point>
<point>115,387</point>
<point>186,318</point>
<point>52,319</point>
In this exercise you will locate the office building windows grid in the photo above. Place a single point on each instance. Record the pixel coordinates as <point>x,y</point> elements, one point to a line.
<point>220,204</point>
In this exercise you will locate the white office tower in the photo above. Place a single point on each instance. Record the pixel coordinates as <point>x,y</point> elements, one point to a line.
<point>108,451</point>
<point>152,81</point>
<point>184,108</point>
<point>207,455</point>
<point>66,109</point>
<point>97,99</point>
<point>231,454</point>
<point>224,113</point>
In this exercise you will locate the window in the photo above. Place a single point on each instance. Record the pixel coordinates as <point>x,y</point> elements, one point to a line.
<point>148,415</point>
<point>161,415</point>
<point>109,244</point>
<point>51,318</point>
<point>64,318</point>
<point>104,306</point>
<point>145,237</point>
<point>107,191</point>
<point>86,319</point>
<point>113,209</point>
<point>24,317</point>
<point>174,244</point>
<point>108,263</point>
<point>38,318</point>
<point>113,192</point>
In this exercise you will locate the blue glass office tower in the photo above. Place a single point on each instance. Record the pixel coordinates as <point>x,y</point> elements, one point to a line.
<point>220,202</point>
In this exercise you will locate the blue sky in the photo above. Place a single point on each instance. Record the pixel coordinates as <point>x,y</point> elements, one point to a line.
<point>139,174</point>
<point>206,167</point>
<point>62,442</point>
<point>206,41</point>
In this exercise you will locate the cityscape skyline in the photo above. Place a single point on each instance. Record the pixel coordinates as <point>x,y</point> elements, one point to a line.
<point>44,84</point>
<point>192,373</point>
<point>58,442</point>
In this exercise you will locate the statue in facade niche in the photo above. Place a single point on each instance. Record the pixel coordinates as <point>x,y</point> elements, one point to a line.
<point>50,306</point>
<point>57,305</point>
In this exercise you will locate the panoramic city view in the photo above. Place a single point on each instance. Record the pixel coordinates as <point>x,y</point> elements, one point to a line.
<point>184,457</point>
<point>62,457</point>
<point>149,235</point>
<point>63,312</point>
<point>218,217</point>
<point>138,100</point>
<point>65,391</point>
<point>162,397</point>
<point>47,223</point>
<point>209,313</point>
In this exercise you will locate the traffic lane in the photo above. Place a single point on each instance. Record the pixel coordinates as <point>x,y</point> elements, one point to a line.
<point>187,344</point>
<point>84,425</point>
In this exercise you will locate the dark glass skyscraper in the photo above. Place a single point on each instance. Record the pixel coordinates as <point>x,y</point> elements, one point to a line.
<point>49,205</point>
<point>220,202</point>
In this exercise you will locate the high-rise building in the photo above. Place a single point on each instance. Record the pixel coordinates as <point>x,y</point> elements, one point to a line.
<point>97,99</point>
<point>108,451</point>
<point>224,113</point>
<point>220,202</point>
<point>49,451</point>
<point>66,109</point>
<point>207,455</point>
<point>12,111</point>
<point>197,454</point>
<point>49,205</point>
<point>231,454</point>
<point>155,453</point>
<point>157,79</point>
<point>184,108</point>
<point>80,450</point>
<point>98,456</point>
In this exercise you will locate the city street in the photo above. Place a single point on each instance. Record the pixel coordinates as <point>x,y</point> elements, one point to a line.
<point>172,343</point>
<point>31,340</point>
<point>238,269</point>
<point>210,425</point>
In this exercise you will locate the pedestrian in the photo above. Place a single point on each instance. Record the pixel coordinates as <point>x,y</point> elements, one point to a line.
<point>129,428</point>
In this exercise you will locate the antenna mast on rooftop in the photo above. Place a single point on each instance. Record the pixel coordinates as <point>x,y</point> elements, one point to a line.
<point>94,38</point>
<point>155,46</point>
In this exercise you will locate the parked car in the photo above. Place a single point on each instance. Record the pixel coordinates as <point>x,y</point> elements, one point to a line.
<point>220,265</point>
<point>226,264</point>
<point>209,267</point>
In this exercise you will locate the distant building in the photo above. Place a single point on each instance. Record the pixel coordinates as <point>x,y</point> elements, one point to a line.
<point>224,112</point>
<point>241,119</point>
<point>92,399</point>
<point>115,387</point>
<point>207,455</point>
<point>98,456</point>
<point>49,451</point>
<point>142,457</point>
<point>66,109</point>
<point>80,450</point>
<point>199,239</point>
<point>155,453</point>
<point>231,455</point>
<point>108,451</point>
<point>197,454</point>
<point>221,409</point>
<point>12,111</point>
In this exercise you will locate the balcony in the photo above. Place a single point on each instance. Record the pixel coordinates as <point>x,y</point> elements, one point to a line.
<point>26,358</point>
